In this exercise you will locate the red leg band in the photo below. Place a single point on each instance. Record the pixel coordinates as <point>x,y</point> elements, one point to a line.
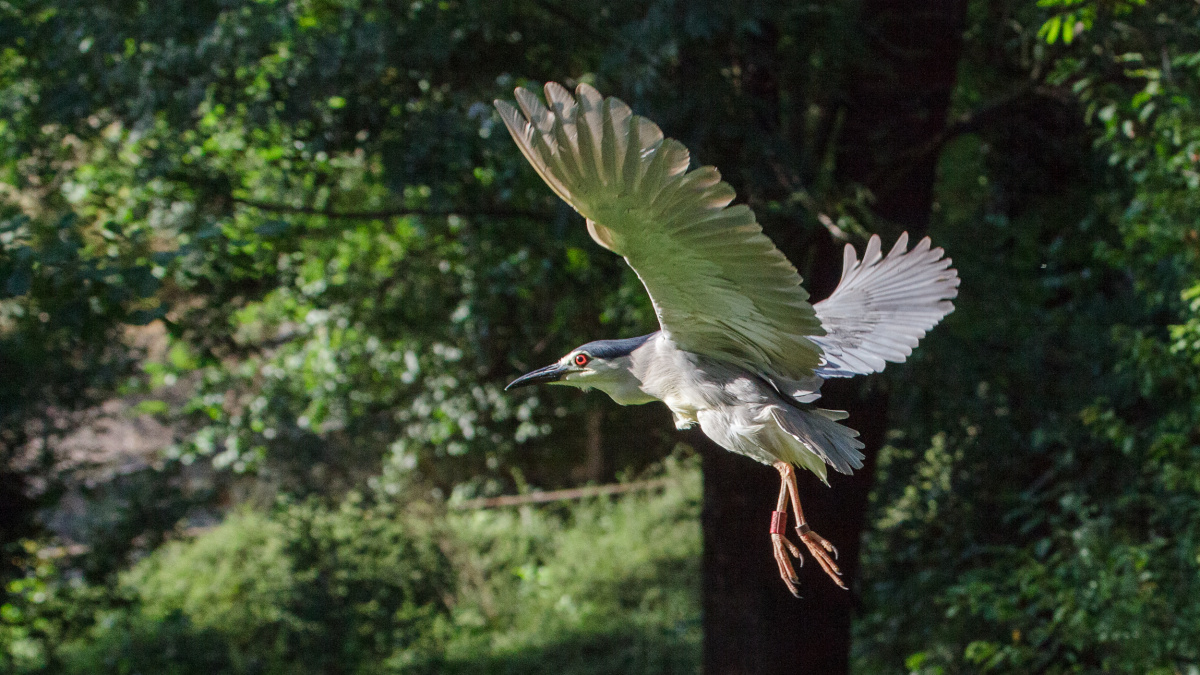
<point>778,522</point>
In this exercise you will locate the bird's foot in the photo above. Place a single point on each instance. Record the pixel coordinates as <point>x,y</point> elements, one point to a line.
<point>820,548</point>
<point>786,572</point>
<point>783,547</point>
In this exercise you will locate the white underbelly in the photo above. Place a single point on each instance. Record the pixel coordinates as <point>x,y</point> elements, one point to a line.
<point>727,402</point>
<point>738,430</point>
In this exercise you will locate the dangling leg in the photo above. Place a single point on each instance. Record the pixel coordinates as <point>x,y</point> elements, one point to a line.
<point>781,544</point>
<point>818,546</point>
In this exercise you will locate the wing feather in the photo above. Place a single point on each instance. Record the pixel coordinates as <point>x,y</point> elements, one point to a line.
<point>883,306</point>
<point>718,285</point>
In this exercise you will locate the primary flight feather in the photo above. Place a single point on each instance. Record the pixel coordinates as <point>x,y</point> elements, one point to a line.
<point>718,285</point>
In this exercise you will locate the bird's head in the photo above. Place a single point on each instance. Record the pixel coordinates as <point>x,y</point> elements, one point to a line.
<point>604,364</point>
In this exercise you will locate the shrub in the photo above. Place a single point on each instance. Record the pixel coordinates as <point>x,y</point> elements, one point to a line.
<point>355,589</point>
<point>606,585</point>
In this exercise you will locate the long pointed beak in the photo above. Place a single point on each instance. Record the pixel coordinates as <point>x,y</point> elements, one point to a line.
<point>551,373</point>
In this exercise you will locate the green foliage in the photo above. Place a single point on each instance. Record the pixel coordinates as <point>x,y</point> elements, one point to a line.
<point>236,579</point>
<point>336,238</point>
<point>1076,16</point>
<point>602,586</point>
<point>614,591</point>
<point>1051,525</point>
<point>45,609</point>
<point>308,589</point>
<point>132,643</point>
<point>311,589</point>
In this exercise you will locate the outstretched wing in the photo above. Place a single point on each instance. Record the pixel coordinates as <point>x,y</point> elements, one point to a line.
<point>718,285</point>
<point>883,306</point>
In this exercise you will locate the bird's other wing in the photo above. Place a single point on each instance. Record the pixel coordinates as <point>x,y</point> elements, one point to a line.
<point>883,306</point>
<point>719,286</point>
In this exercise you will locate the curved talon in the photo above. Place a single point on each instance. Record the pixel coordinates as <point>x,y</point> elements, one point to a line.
<point>786,571</point>
<point>793,549</point>
<point>820,548</point>
<point>804,531</point>
<point>780,542</point>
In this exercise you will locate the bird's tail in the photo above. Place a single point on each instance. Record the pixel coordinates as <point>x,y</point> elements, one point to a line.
<point>813,439</point>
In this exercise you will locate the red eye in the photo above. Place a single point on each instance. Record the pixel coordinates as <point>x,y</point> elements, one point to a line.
<point>581,359</point>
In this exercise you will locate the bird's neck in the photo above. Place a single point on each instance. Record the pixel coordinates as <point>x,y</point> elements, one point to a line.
<point>621,384</point>
<point>662,371</point>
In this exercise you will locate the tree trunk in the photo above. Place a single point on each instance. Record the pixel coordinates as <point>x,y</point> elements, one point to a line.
<point>592,470</point>
<point>16,519</point>
<point>895,109</point>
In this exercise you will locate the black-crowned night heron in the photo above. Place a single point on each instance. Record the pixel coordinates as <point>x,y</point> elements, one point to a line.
<point>740,351</point>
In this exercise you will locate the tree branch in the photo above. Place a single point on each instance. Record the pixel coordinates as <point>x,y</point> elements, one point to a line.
<point>560,495</point>
<point>383,214</point>
<point>968,122</point>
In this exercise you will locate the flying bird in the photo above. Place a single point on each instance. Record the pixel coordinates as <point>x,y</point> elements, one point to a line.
<point>740,351</point>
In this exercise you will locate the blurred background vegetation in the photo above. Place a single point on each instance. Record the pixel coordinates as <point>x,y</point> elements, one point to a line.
<point>265,268</point>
